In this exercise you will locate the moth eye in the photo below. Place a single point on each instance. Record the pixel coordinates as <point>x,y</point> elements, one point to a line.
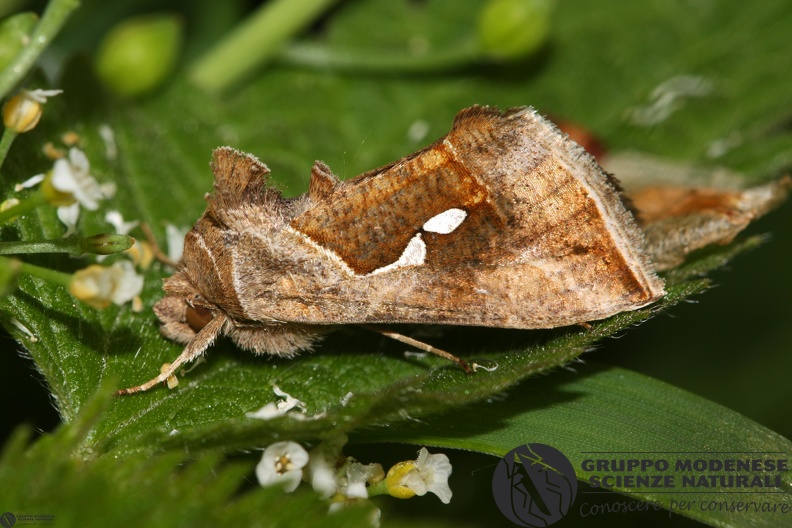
<point>197,317</point>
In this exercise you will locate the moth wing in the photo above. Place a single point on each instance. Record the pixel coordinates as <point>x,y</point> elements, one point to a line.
<point>503,222</point>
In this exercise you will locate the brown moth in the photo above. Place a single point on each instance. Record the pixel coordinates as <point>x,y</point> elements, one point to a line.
<point>504,222</point>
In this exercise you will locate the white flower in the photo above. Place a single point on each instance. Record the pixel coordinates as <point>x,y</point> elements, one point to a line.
<point>268,412</point>
<point>346,398</point>
<point>434,471</point>
<point>429,473</point>
<point>352,483</point>
<point>108,189</point>
<point>115,219</point>
<point>72,176</point>
<point>40,96</point>
<point>140,253</point>
<point>30,182</point>
<point>108,137</point>
<point>322,469</point>
<point>68,215</point>
<point>282,463</point>
<point>175,237</point>
<point>279,408</point>
<point>100,286</point>
<point>288,402</point>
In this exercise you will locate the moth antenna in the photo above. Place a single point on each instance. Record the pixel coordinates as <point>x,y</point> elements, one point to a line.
<point>194,348</point>
<point>420,345</point>
<point>155,249</point>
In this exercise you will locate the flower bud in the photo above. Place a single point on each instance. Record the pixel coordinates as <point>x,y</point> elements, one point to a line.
<point>513,29</point>
<point>137,55</point>
<point>395,480</point>
<point>23,111</point>
<point>15,35</point>
<point>106,243</point>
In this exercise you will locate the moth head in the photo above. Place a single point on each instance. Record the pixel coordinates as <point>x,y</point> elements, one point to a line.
<point>183,312</point>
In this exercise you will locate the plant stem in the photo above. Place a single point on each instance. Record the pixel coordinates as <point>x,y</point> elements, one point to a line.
<point>254,42</point>
<point>9,135</point>
<point>31,202</point>
<point>321,57</point>
<point>57,277</point>
<point>52,20</point>
<point>72,245</point>
<point>380,488</point>
<point>61,245</point>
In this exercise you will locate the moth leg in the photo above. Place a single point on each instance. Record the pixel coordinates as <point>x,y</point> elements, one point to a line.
<point>420,346</point>
<point>155,249</point>
<point>194,348</point>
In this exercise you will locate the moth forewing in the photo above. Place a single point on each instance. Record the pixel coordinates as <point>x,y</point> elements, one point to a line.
<point>545,240</point>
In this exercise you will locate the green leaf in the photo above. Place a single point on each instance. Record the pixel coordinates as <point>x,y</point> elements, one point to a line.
<point>594,412</point>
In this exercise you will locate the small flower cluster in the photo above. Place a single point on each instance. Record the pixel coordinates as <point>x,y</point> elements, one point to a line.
<point>344,479</point>
<point>101,286</point>
<point>70,187</point>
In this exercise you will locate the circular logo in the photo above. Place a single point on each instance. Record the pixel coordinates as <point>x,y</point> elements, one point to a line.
<point>7,520</point>
<point>534,485</point>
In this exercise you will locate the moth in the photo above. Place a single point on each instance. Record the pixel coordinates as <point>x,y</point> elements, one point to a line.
<point>504,222</point>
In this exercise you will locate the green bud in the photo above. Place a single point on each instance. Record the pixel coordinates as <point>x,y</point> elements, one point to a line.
<point>137,55</point>
<point>106,243</point>
<point>513,29</point>
<point>15,35</point>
